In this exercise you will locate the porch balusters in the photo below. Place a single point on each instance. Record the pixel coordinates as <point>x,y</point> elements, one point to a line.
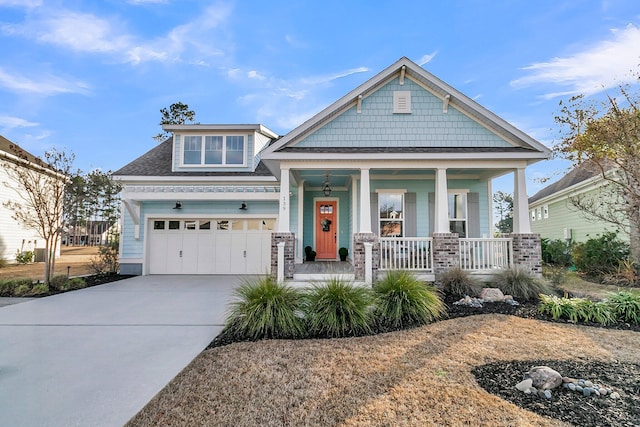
<point>406,253</point>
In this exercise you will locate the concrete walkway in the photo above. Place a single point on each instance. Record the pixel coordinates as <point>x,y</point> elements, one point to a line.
<point>96,356</point>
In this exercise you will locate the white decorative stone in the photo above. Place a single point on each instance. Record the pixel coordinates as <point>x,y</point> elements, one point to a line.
<point>524,385</point>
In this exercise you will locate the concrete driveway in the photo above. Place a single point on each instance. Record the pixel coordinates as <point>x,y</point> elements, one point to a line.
<point>96,356</point>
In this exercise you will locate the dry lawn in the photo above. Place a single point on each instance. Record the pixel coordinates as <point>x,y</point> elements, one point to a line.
<point>76,257</point>
<point>415,377</point>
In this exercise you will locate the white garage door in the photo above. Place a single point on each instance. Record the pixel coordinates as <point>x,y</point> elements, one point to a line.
<point>209,246</point>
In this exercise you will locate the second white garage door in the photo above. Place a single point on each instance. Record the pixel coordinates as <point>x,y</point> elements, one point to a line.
<point>209,246</point>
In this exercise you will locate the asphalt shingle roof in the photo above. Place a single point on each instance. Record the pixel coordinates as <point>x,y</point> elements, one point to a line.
<point>578,174</point>
<point>157,162</point>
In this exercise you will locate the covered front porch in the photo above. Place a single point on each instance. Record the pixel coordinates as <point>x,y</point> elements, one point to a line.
<point>442,219</point>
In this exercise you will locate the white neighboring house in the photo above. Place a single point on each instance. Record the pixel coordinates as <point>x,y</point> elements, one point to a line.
<point>14,238</point>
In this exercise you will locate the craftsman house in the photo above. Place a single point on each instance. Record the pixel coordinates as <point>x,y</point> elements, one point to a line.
<point>398,172</point>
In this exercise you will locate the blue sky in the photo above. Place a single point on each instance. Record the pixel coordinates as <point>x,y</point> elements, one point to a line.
<point>91,76</point>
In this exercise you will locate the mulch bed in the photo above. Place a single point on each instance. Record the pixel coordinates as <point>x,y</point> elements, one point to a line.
<point>565,405</point>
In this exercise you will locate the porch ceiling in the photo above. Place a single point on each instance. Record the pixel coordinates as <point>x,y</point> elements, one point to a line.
<point>342,177</point>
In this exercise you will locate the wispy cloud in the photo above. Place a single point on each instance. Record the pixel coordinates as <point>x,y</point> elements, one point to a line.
<point>139,2</point>
<point>45,85</point>
<point>597,68</point>
<point>427,58</point>
<point>10,122</point>
<point>27,4</point>
<point>88,33</point>
<point>322,79</point>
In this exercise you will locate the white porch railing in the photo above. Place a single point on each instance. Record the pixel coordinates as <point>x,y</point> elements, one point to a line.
<point>406,253</point>
<point>480,254</point>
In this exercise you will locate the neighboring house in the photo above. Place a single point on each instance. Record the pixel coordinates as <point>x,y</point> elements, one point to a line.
<point>14,238</point>
<point>553,215</point>
<point>398,171</point>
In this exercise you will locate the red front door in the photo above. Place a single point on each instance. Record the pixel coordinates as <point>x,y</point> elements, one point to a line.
<point>326,237</point>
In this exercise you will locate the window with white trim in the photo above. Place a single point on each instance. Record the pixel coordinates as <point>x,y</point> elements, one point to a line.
<point>545,211</point>
<point>533,214</point>
<point>538,214</point>
<point>217,150</point>
<point>458,213</point>
<point>391,214</point>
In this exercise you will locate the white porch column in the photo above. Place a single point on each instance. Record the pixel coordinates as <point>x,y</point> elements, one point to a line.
<point>365,202</point>
<point>441,221</point>
<point>284,211</point>
<point>520,203</point>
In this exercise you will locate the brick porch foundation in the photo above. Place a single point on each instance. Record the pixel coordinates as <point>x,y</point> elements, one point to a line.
<point>358,253</point>
<point>527,252</point>
<point>289,255</point>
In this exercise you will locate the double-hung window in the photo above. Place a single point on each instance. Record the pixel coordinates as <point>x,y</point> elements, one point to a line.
<point>214,150</point>
<point>458,213</point>
<point>391,214</point>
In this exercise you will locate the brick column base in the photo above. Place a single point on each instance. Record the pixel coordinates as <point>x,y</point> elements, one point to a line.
<point>446,251</point>
<point>289,255</point>
<point>358,254</point>
<point>527,252</point>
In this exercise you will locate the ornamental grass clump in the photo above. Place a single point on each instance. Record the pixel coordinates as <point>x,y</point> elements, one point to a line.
<point>404,301</point>
<point>519,283</point>
<point>339,309</point>
<point>625,306</point>
<point>265,309</point>
<point>458,283</point>
<point>576,309</point>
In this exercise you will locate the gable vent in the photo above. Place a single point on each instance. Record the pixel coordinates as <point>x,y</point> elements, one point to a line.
<point>402,102</point>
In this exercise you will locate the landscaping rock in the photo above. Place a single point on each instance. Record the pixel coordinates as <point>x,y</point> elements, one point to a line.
<point>544,377</point>
<point>524,385</point>
<point>492,295</point>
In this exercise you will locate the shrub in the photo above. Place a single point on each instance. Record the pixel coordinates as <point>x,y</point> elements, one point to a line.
<point>459,283</point>
<point>265,309</point>
<point>339,309</point>
<point>24,257</point>
<point>8,287</point>
<point>601,255</point>
<point>59,282</point>
<point>402,300</point>
<point>76,283</point>
<point>22,289</point>
<point>520,284</point>
<point>106,262</point>
<point>39,289</point>
<point>625,306</point>
<point>556,252</point>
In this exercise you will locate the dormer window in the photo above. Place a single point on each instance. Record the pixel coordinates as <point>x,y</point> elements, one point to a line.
<point>214,150</point>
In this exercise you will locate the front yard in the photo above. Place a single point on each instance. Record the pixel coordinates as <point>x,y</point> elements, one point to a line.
<point>421,376</point>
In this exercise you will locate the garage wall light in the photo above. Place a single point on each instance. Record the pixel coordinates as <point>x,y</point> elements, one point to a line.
<point>178,205</point>
<point>244,206</point>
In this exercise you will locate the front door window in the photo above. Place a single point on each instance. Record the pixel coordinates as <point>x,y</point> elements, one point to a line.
<point>326,233</point>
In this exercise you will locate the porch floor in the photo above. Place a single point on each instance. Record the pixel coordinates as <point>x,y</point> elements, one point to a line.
<point>324,267</point>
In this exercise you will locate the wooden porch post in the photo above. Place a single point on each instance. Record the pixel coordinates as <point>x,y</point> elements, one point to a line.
<point>520,203</point>
<point>441,211</point>
<point>283,216</point>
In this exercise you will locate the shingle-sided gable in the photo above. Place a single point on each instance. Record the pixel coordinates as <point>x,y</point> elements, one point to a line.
<point>427,125</point>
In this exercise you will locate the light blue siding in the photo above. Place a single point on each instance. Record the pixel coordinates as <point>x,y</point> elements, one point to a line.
<point>249,160</point>
<point>426,126</point>
<point>132,248</point>
<point>344,213</point>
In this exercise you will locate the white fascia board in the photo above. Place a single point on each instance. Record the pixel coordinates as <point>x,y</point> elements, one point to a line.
<point>221,127</point>
<point>531,157</point>
<point>211,180</point>
<point>406,164</point>
<point>157,196</point>
<point>42,169</point>
<point>582,187</point>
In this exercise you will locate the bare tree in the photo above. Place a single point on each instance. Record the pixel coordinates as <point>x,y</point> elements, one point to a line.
<point>40,188</point>
<point>606,137</point>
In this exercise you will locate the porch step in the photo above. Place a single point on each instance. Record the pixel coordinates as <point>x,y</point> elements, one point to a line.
<point>319,277</point>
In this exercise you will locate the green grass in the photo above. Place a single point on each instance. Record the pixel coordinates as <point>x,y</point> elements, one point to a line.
<point>402,301</point>
<point>339,309</point>
<point>265,309</point>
